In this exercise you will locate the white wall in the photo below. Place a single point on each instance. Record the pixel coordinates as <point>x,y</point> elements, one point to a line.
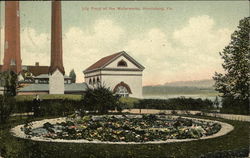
<point>56,83</point>
<point>111,78</point>
<point>134,82</point>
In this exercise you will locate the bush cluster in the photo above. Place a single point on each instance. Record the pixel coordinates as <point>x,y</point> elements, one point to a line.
<point>6,107</point>
<point>235,106</point>
<point>63,107</point>
<point>100,99</point>
<point>51,107</point>
<point>181,103</point>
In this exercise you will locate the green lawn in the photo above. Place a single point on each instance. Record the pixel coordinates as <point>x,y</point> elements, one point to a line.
<point>17,148</point>
<point>130,102</point>
<point>49,96</point>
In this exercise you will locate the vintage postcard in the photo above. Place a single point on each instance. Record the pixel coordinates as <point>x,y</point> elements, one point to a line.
<point>124,79</point>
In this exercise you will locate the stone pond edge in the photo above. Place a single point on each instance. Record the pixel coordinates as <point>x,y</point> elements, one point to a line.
<point>17,132</point>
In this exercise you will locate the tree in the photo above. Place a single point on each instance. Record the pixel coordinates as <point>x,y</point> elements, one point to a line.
<point>6,107</point>
<point>234,83</point>
<point>9,83</point>
<point>7,101</point>
<point>100,99</point>
<point>72,74</point>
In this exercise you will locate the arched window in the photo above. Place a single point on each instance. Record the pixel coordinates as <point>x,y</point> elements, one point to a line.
<point>122,63</point>
<point>122,89</point>
<point>90,81</point>
<point>98,80</point>
<point>94,81</point>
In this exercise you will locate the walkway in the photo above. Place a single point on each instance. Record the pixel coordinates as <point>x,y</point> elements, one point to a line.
<point>155,111</point>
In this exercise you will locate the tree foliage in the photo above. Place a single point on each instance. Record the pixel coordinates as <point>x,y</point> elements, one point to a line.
<point>9,79</point>
<point>100,99</point>
<point>72,74</point>
<point>235,82</point>
<point>6,107</point>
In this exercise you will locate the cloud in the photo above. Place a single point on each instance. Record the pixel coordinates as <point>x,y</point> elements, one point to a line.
<point>84,47</point>
<point>80,47</point>
<point>189,53</point>
<point>35,47</point>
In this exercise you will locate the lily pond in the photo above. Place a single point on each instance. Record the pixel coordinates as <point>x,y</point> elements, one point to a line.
<point>125,128</point>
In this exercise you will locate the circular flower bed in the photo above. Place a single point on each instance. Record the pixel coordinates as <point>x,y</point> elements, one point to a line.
<point>125,128</point>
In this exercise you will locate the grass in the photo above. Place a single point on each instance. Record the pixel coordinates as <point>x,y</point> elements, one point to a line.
<point>49,96</point>
<point>13,147</point>
<point>130,102</point>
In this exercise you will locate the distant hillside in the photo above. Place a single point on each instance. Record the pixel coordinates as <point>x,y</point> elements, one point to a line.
<point>197,83</point>
<point>181,87</point>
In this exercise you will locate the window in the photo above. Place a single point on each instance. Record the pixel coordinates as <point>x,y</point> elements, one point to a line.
<point>12,62</point>
<point>90,81</point>
<point>122,91</point>
<point>94,81</point>
<point>122,63</point>
<point>98,80</point>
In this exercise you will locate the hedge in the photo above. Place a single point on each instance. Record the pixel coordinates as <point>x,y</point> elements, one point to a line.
<point>181,103</point>
<point>54,107</point>
<point>62,107</point>
<point>235,106</point>
<point>49,97</point>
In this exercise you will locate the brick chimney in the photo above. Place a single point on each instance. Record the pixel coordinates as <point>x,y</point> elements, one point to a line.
<point>56,70</point>
<point>12,57</point>
<point>56,61</point>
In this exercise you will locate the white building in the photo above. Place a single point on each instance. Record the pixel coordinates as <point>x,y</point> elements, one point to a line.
<point>119,72</point>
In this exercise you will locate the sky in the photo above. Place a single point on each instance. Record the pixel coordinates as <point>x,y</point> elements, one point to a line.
<point>173,40</point>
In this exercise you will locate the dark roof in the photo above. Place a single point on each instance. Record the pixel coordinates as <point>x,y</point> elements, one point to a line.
<point>35,70</point>
<point>38,70</point>
<point>106,60</point>
<point>100,63</point>
<point>73,87</point>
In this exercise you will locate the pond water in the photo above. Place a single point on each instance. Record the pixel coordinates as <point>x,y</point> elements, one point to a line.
<point>126,128</point>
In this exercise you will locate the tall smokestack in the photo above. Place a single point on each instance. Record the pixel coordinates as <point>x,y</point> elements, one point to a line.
<point>12,58</point>
<point>56,61</point>
<point>56,70</point>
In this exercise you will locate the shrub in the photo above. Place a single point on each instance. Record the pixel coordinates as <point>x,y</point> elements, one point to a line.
<point>6,107</point>
<point>9,79</point>
<point>235,106</point>
<point>181,103</point>
<point>129,103</point>
<point>100,99</point>
<point>51,107</point>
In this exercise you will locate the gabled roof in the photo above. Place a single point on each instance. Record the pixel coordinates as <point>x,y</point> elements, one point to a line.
<point>38,70</point>
<point>108,59</point>
<point>34,70</point>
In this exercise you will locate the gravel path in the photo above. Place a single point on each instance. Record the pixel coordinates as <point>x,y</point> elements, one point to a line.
<point>155,111</point>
